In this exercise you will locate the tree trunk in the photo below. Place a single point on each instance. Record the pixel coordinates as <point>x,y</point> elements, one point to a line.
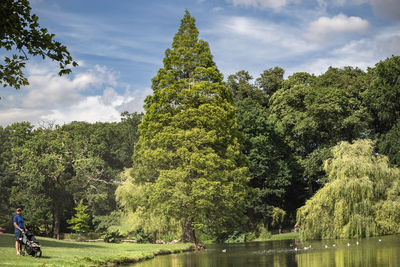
<point>155,237</point>
<point>56,219</point>
<point>310,187</point>
<point>188,234</point>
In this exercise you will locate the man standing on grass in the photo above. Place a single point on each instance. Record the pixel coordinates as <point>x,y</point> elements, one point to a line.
<point>19,227</point>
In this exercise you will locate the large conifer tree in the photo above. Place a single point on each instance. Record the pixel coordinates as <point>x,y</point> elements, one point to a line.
<point>188,155</point>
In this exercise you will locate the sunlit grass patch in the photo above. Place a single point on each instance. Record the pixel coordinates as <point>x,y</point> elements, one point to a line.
<point>66,253</point>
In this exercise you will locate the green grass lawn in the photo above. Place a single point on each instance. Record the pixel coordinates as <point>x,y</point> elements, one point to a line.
<point>65,253</point>
<point>281,237</point>
<point>285,236</point>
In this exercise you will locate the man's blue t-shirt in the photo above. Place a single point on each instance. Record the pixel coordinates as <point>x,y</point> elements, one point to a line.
<point>20,222</point>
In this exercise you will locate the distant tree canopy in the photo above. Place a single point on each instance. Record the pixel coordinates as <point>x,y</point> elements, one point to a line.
<point>382,95</point>
<point>360,199</point>
<point>290,126</point>
<point>314,113</point>
<point>21,33</point>
<point>47,171</point>
<point>268,156</point>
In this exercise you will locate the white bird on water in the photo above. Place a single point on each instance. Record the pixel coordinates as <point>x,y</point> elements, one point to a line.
<point>380,240</point>
<point>224,250</point>
<point>326,246</point>
<point>348,244</point>
<point>357,243</point>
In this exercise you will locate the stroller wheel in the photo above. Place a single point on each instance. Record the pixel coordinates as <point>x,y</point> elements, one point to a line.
<point>38,254</point>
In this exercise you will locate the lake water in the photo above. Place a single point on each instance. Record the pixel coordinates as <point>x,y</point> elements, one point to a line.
<point>368,252</point>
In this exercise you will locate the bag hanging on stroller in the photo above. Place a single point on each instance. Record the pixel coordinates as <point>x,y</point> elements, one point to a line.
<point>31,245</point>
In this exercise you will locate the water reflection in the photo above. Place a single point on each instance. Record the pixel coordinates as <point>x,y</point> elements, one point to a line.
<point>339,253</point>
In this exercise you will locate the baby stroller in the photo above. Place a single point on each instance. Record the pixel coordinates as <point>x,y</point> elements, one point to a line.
<point>32,247</point>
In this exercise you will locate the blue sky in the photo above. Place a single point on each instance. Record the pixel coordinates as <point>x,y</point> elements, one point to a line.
<point>120,45</point>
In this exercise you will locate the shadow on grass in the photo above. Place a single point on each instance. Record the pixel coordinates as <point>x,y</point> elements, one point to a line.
<point>7,240</point>
<point>44,257</point>
<point>66,244</point>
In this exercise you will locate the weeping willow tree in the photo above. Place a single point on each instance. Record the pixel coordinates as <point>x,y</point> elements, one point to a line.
<point>132,197</point>
<point>361,199</point>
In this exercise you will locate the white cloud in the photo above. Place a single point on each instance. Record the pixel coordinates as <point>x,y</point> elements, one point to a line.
<point>274,4</point>
<point>48,89</point>
<point>11,115</point>
<point>110,97</point>
<point>90,109</point>
<point>88,96</point>
<point>254,44</point>
<point>105,108</point>
<point>134,100</point>
<point>323,28</point>
<point>361,53</point>
<point>265,33</point>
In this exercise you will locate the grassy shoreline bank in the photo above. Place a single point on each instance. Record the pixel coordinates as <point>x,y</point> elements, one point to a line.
<point>69,253</point>
<point>73,253</point>
<point>282,236</point>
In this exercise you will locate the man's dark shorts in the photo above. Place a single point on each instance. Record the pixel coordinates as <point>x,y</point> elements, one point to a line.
<point>18,235</point>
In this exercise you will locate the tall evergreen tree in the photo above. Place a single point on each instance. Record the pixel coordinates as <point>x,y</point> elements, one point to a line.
<point>188,155</point>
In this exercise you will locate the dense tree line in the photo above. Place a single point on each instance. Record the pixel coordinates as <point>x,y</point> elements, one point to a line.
<point>49,170</point>
<point>211,158</point>
<point>291,126</point>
